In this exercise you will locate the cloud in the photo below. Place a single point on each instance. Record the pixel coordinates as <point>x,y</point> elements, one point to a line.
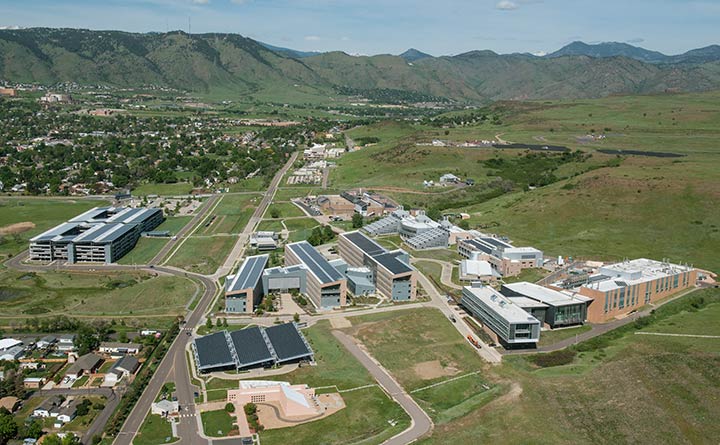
<point>636,40</point>
<point>540,53</point>
<point>239,2</point>
<point>506,5</point>
<point>199,2</point>
<point>312,38</point>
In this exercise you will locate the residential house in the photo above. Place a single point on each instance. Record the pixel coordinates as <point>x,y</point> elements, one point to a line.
<point>33,382</point>
<point>116,348</point>
<point>46,342</point>
<point>12,354</point>
<point>47,407</point>
<point>86,364</point>
<point>10,403</point>
<point>124,367</point>
<point>66,343</point>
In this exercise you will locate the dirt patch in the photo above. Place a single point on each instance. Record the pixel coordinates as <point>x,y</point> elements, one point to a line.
<point>340,323</point>
<point>16,228</point>
<point>433,370</point>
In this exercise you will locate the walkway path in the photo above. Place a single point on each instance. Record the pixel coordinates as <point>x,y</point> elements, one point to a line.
<point>420,424</point>
<point>447,270</point>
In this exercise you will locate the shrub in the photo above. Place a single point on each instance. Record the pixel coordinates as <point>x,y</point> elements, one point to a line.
<point>557,358</point>
<point>229,407</point>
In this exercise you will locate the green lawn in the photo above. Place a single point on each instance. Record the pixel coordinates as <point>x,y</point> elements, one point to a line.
<point>553,336</point>
<point>217,423</point>
<point>44,213</point>
<point>147,247</point>
<point>154,431</point>
<point>135,293</point>
<point>437,353</point>
<point>231,215</point>
<point>284,210</point>
<point>178,188</point>
<point>203,254</point>
<point>365,418</point>
<point>640,389</point>
<point>81,381</point>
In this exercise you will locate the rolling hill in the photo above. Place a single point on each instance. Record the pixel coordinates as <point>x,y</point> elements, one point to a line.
<point>235,65</point>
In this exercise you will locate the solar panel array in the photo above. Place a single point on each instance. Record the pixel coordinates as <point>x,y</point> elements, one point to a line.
<point>213,351</point>
<point>249,273</point>
<point>287,341</point>
<point>317,264</point>
<point>249,347</point>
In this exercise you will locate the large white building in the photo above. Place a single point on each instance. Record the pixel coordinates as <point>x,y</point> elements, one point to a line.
<point>512,325</point>
<point>100,235</point>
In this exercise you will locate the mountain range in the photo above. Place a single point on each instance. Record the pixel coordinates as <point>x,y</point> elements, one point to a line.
<point>235,65</point>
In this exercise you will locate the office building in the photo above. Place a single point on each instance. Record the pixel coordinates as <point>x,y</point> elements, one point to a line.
<point>505,258</point>
<point>550,306</point>
<point>621,288</point>
<point>244,289</point>
<point>390,272</point>
<point>100,235</point>
<point>325,286</point>
<point>509,323</point>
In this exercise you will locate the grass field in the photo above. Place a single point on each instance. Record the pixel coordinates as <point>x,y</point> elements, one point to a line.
<point>612,212</point>
<point>365,418</point>
<point>217,423</point>
<point>178,188</point>
<point>147,247</point>
<point>284,210</point>
<point>42,213</point>
<point>550,337</point>
<point>207,248</point>
<point>154,431</point>
<point>420,347</point>
<point>639,389</point>
<point>87,294</point>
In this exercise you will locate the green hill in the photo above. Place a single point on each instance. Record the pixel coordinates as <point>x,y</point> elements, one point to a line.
<point>235,65</point>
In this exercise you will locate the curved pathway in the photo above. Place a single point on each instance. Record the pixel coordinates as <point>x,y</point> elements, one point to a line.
<point>420,424</point>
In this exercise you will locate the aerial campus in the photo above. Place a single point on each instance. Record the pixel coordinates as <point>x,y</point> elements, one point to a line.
<point>207,239</point>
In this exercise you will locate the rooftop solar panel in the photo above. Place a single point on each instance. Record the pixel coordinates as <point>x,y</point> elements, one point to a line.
<point>249,273</point>
<point>288,342</point>
<point>213,351</point>
<point>251,347</point>
<point>365,244</point>
<point>394,265</point>
<point>496,242</point>
<point>317,264</point>
<point>483,247</point>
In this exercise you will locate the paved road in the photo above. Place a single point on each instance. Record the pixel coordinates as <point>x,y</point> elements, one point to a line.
<point>421,424</point>
<point>172,366</point>
<point>239,247</point>
<point>170,245</point>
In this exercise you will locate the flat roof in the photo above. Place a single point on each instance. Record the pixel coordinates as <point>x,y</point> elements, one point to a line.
<point>392,263</point>
<point>93,214</point>
<point>545,295</point>
<point>56,231</point>
<point>251,347</point>
<point>316,263</point>
<point>480,245</point>
<point>367,245</point>
<point>500,304</point>
<point>249,273</point>
<point>525,302</point>
<point>104,233</point>
<point>133,215</point>
<point>288,342</point>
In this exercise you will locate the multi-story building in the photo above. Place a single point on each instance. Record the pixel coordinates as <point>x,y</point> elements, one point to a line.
<point>550,306</point>
<point>503,256</point>
<point>621,288</point>
<point>100,235</point>
<point>244,289</point>
<point>325,286</point>
<point>512,325</point>
<point>392,275</point>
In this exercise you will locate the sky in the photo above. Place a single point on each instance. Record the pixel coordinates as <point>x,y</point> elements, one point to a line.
<point>438,27</point>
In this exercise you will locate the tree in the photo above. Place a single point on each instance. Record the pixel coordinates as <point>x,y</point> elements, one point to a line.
<point>274,213</point>
<point>53,439</point>
<point>224,322</point>
<point>208,323</point>
<point>357,220</point>
<point>32,430</point>
<point>296,317</point>
<point>8,427</point>
<point>229,407</point>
